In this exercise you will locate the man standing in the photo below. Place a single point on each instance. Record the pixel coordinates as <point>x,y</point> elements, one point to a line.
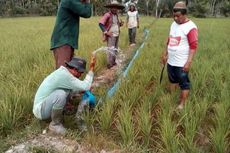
<point>181,47</point>
<point>110,26</point>
<point>53,93</point>
<point>66,30</point>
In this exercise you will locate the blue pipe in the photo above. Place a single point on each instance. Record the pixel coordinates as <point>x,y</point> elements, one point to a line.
<point>113,89</point>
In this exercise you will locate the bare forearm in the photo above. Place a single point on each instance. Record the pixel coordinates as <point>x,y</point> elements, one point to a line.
<point>164,57</point>
<point>191,55</point>
<point>189,61</point>
<point>165,53</point>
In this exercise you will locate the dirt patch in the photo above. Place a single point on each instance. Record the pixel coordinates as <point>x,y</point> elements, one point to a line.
<point>48,143</point>
<point>108,76</point>
<point>53,144</point>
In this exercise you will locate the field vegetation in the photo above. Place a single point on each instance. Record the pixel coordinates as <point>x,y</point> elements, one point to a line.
<point>142,115</point>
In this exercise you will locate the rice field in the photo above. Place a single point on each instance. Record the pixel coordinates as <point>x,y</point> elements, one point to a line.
<point>142,115</point>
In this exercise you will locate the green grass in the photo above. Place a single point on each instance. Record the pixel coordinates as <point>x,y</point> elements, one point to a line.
<point>141,116</point>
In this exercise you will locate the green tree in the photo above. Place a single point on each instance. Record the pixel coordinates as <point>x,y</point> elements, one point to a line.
<point>225,8</point>
<point>98,7</point>
<point>197,8</point>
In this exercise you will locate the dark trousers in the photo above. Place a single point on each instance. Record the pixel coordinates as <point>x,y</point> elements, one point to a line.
<point>132,35</point>
<point>111,55</point>
<point>63,54</point>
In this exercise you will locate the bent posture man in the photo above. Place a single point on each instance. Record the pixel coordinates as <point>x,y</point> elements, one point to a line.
<point>54,91</point>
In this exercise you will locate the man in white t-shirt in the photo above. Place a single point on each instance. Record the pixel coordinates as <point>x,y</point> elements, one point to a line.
<point>132,22</point>
<point>181,48</point>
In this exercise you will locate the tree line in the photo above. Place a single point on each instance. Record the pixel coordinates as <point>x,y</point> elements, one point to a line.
<point>158,8</point>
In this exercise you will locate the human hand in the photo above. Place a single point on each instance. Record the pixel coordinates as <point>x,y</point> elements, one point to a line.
<point>121,23</point>
<point>187,66</point>
<point>164,59</point>
<point>108,33</point>
<point>92,62</point>
<point>76,95</point>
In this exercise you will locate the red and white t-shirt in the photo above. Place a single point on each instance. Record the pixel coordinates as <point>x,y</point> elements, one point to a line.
<point>182,38</point>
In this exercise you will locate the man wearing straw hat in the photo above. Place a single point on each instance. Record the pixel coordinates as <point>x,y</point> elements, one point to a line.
<point>110,26</point>
<point>181,48</point>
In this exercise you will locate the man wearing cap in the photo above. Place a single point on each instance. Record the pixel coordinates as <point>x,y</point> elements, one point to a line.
<point>181,48</point>
<point>55,89</point>
<point>110,26</point>
<point>66,30</point>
